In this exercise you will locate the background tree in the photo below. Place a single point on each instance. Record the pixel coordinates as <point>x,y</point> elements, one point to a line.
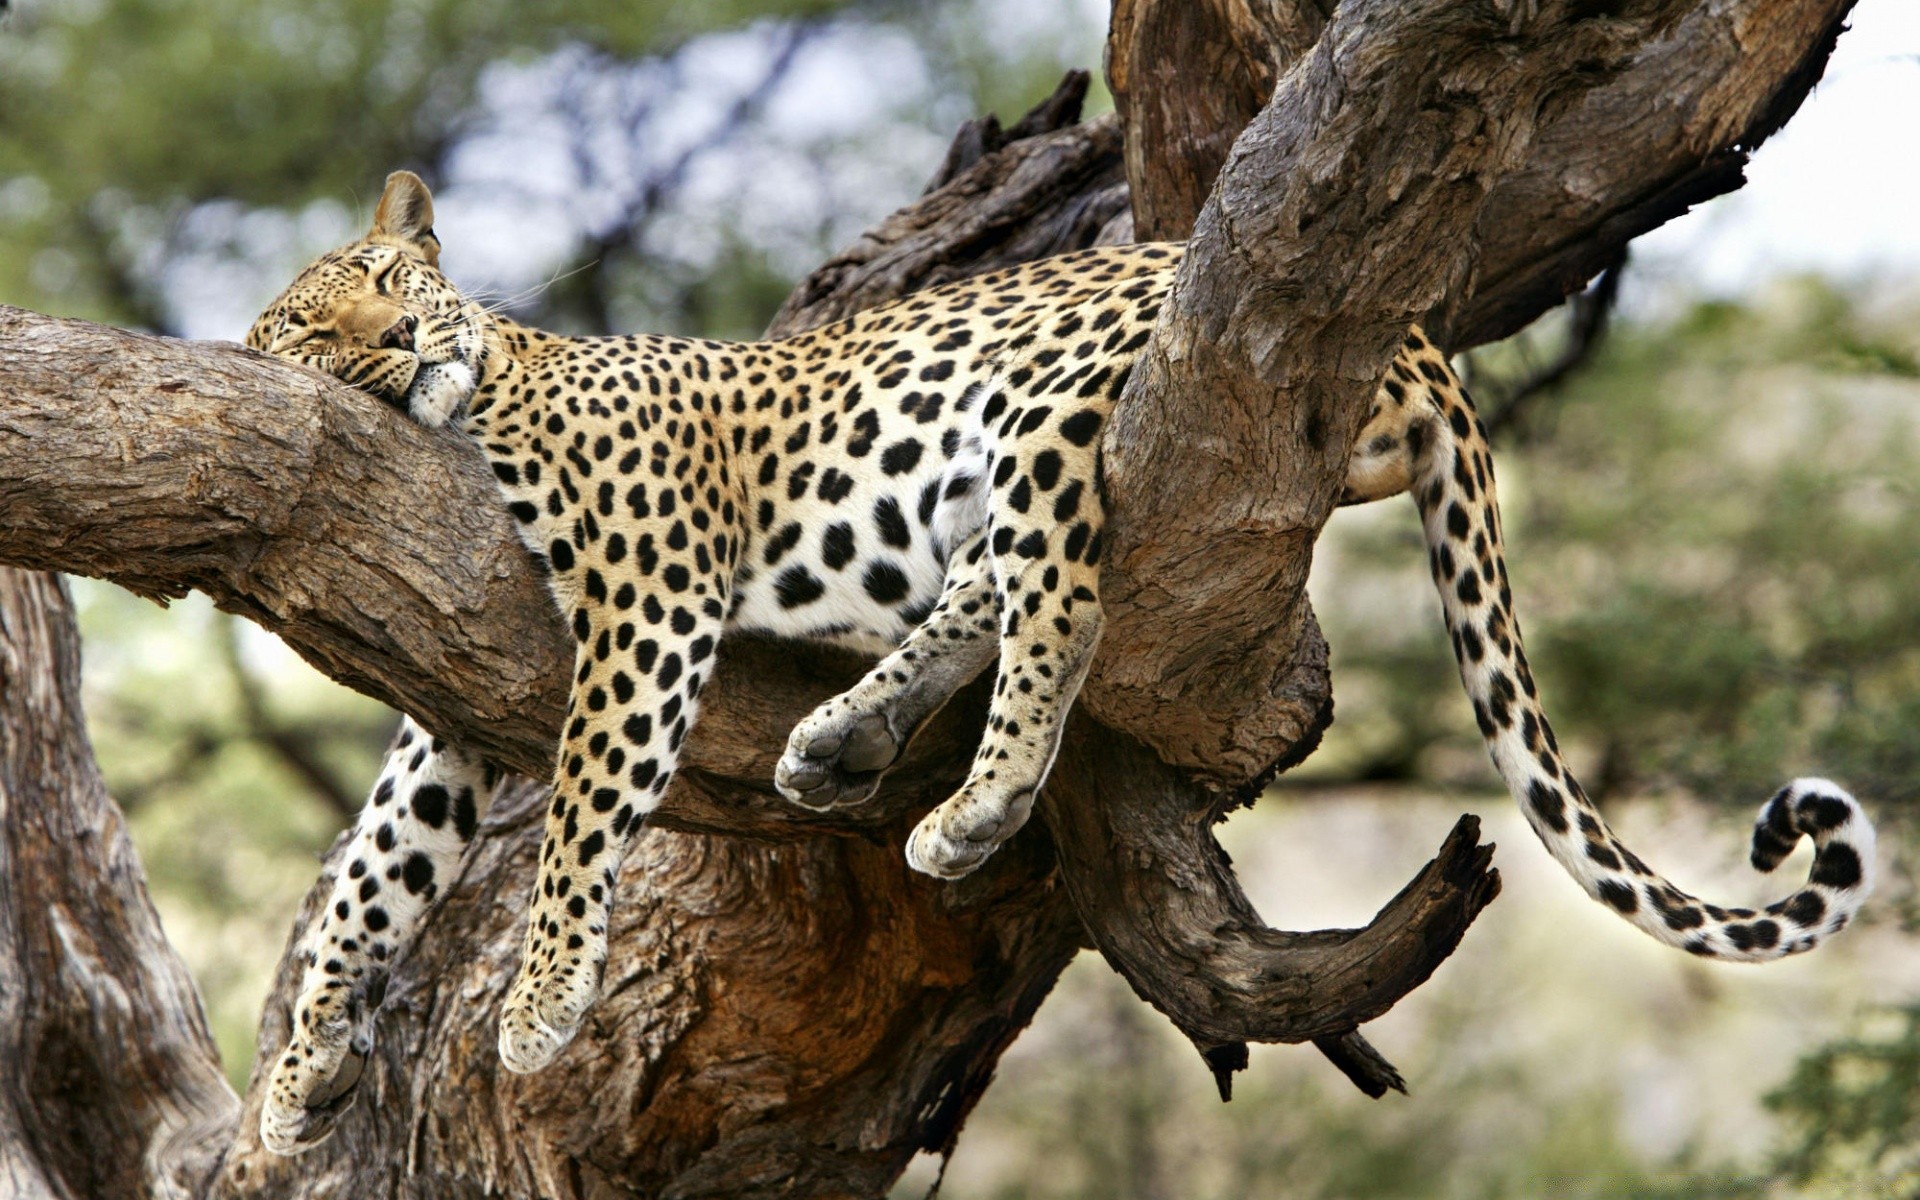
<point>1074,177</point>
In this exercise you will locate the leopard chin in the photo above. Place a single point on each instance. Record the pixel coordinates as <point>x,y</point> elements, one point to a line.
<point>438,391</point>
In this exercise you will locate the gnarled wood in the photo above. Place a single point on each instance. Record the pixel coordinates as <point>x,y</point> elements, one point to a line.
<point>1187,76</point>
<point>795,1015</point>
<point>111,1084</point>
<point>1693,104</point>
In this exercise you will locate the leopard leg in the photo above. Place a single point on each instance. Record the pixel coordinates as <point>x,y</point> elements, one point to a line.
<point>406,845</point>
<point>1382,461</point>
<point>639,673</point>
<point>837,755</point>
<point>1044,525</point>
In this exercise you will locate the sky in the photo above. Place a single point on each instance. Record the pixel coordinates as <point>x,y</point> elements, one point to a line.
<point>1837,191</point>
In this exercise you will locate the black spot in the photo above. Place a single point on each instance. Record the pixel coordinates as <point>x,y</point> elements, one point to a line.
<point>900,457</point>
<point>836,545</point>
<point>1823,812</point>
<point>1046,469</point>
<point>1836,866</point>
<point>1076,543</point>
<point>796,586</point>
<point>1805,909</point>
<point>417,874</point>
<point>376,919</point>
<point>466,817</point>
<point>1549,803</point>
<point>834,486</point>
<point>885,582</point>
<point>894,530</point>
<point>1619,895</point>
<point>1066,505</point>
<point>591,846</point>
<point>1081,427</point>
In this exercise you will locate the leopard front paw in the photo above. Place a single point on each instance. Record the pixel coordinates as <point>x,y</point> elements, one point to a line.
<point>836,757</point>
<point>955,838</point>
<point>541,1017</point>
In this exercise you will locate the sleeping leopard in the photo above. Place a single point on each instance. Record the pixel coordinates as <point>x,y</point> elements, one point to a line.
<point>921,482</point>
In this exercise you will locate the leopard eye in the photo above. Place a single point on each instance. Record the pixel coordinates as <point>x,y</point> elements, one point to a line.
<point>383,277</point>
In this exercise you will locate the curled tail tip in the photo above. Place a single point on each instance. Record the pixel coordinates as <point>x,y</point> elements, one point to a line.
<point>1842,872</point>
<point>1824,811</point>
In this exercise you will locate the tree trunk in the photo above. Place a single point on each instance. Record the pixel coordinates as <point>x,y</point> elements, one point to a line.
<point>788,1011</point>
<point>112,1086</point>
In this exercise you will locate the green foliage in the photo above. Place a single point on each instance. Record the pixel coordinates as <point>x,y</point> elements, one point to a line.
<point>140,135</point>
<point>1856,1106</point>
<point>119,115</point>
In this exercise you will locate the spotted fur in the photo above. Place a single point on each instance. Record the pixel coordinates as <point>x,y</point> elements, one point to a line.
<point>924,477</point>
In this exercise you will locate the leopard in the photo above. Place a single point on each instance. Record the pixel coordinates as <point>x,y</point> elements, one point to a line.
<point>921,482</point>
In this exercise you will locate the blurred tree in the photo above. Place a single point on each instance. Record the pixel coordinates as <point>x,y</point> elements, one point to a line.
<point>141,138</point>
<point>121,116</point>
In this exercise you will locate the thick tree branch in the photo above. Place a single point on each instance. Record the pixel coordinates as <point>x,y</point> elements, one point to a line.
<point>1166,910</point>
<point>1348,209</point>
<point>1692,106</point>
<point>1187,76</point>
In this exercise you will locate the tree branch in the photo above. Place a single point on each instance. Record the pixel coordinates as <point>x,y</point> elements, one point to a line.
<point>1350,208</point>
<point>112,1085</point>
<point>1673,128</point>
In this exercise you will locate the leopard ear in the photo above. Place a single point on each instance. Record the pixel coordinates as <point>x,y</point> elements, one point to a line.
<point>405,215</point>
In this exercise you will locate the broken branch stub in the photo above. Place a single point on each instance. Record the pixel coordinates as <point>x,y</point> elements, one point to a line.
<point>1161,902</point>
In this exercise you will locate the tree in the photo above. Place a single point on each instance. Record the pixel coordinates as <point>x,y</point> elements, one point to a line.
<point>787,1012</point>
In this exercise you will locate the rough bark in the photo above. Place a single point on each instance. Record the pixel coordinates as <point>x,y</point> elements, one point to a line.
<point>794,1014</point>
<point>1187,76</point>
<point>111,1085</point>
<point>1693,105</point>
<point>1352,206</point>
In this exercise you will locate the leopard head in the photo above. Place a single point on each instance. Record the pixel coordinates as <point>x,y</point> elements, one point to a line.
<point>378,314</point>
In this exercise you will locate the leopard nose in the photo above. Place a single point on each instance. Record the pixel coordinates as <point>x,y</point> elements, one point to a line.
<point>400,337</point>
